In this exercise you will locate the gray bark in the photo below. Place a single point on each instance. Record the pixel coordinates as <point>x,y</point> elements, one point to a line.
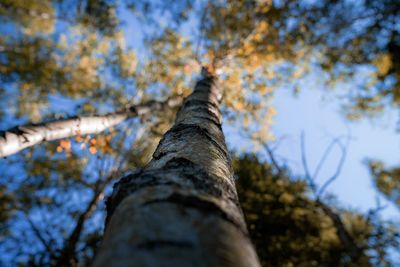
<point>182,209</point>
<point>20,137</point>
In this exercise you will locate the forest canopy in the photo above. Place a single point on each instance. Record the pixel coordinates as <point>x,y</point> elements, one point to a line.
<point>128,65</point>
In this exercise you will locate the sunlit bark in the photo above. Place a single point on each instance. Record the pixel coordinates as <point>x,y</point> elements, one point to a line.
<point>182,209</point>
<point>20,137</point>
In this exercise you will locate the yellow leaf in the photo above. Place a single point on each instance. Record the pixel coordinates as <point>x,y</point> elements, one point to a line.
<point>246,121</point>
<point>383,63</point>
<point>92,150</point>
<point>26,86</point>
<point>239,106</point>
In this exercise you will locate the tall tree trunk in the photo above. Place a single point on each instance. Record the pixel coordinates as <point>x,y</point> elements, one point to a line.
<point>182,209</point>
<point>20,137</point>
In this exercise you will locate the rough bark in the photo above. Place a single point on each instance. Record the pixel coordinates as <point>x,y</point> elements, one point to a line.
<point>20,137</point>
<point>182,209</point>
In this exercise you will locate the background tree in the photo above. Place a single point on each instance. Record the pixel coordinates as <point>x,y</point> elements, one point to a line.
<point>280,211</point>
<point>387,181</point>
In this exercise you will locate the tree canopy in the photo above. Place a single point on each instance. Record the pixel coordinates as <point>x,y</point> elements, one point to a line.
<point>60,59</point>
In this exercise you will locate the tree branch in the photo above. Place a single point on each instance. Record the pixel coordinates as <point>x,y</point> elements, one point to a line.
<point>355,252</point>
<point>20,137</point>
<point>39,235</point>
<point>338,169</point>
<point>324,157</point>
<point>344,236</point>
<point>68,253</point>
<point>308,176</point>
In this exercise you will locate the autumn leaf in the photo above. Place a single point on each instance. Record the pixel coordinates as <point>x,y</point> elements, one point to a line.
<point>93,150</point>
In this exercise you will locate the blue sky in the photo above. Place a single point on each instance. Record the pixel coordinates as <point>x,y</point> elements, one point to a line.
<point>322,120</point>
<point>319,115</point>
<point>314,112</point>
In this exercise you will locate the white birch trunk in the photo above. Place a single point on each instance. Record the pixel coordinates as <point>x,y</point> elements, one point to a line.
<point>182,209</point>
<point>20,137</point>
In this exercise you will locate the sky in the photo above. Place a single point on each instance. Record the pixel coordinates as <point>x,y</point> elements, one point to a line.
<point>322,120</point>
<point>319,115</point>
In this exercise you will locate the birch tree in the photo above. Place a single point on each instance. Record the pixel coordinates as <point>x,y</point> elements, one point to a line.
<point>247,54</point>
<point>76,51</point>
<point>20,137</point>
<point>182,209</point>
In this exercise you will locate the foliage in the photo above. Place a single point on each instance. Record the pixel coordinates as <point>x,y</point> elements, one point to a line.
<point>60,58</point>
<point>387,181</point>
<point>290,229</point>
<point>338,36</point>
<point>73,62</point>
<point>254,46</point>
<point>286,225</point>
<point>257,47</point>
<point>54,209</point>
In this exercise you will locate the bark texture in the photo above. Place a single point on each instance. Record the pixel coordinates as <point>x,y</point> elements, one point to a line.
<point>182,209</point>
<point>20,137</point>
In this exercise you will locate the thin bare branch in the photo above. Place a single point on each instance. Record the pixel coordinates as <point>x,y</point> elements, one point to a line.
<point>269,151</point>
<point>272,157</point>
<point>39,235</point>
<point>346,239</point>
<point>354,251</point>
<point>324,157</point>
<point>68,252</point>
<point>378,208</point>
<point>305,165</point>
<point>338,168</point>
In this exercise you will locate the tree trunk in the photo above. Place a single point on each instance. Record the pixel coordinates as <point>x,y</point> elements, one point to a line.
<point>182,209</point>
<point>20,137</point>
